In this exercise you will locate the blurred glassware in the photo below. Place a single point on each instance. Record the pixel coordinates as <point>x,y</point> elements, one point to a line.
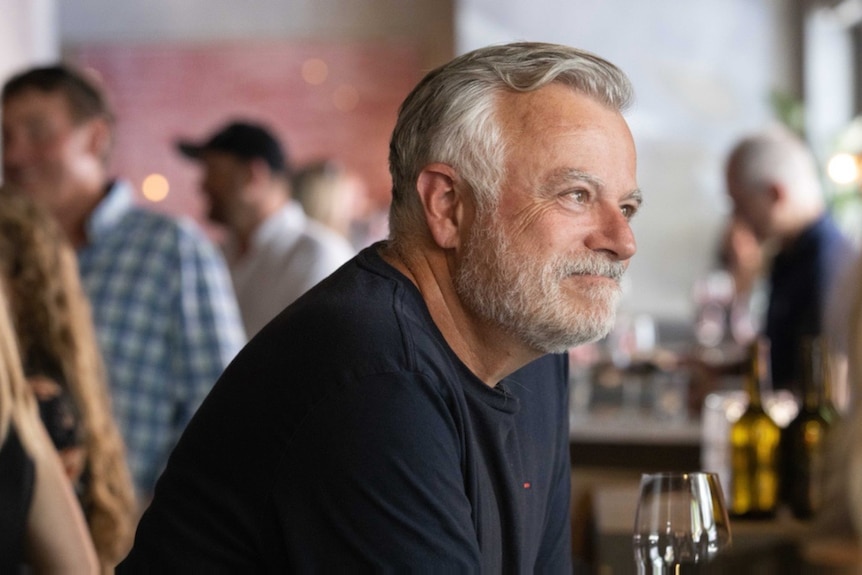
<point>681,521</point>
<point>582,367</point>
<point>631,346</point>
<point>713,295</point>
<point>669,389</point>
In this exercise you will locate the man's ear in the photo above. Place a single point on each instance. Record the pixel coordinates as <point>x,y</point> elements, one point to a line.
<point>99,138</point>
<point>442,196</point>
<point>776,193</point>
<point>257,170</point>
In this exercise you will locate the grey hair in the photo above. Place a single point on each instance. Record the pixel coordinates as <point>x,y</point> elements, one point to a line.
<point>775,155</point>
<point>449,117</point>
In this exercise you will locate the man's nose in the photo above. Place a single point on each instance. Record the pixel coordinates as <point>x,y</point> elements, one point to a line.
<point>613,234</point>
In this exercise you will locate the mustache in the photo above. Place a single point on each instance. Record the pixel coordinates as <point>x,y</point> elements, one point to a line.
<point>594,265</point>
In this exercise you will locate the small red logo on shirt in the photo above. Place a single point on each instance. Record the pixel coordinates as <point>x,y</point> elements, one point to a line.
<point>527,485</point>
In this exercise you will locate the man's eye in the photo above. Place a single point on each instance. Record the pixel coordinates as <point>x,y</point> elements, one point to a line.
<point>579,196</point>
<point>629,211</point>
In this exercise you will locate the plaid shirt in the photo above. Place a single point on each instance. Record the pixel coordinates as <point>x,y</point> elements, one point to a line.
<point>166,318</point>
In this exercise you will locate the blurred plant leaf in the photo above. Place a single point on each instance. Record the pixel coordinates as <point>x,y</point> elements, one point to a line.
<point>789,110</point>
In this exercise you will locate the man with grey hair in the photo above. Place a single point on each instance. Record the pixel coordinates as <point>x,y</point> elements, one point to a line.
<point>410,411</point>
<point>773,182</point>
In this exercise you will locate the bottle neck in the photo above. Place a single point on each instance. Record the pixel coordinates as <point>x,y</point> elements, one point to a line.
<point>757,374</point>
<point>826,401</point>
<point>810,355</point>
<point>753,388</point>
<point>825,398</point>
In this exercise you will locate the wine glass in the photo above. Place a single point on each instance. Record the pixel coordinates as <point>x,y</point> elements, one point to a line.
<point>632,345</point>
<point>681,520</point>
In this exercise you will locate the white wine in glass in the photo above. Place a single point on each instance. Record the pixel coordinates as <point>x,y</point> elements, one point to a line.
<point>681,522</point>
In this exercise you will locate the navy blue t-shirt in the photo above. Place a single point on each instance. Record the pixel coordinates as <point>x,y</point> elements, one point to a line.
<point>347,436</point>
<point>803,276</point>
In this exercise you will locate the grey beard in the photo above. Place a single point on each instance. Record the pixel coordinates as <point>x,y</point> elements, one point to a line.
<point>524,297</point>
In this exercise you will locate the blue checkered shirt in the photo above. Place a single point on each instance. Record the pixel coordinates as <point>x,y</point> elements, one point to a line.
<point>166,318</point>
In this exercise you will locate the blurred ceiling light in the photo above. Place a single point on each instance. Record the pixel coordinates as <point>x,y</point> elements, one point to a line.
<point>843,169</point>
<point>345,98</point>
<point>155,187</point>
<point>315,71</point>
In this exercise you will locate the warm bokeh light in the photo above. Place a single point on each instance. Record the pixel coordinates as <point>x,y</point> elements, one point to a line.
<point>345,98</point>
<point>843,169</point>
<point>315,71</point>
<point>155,187</point>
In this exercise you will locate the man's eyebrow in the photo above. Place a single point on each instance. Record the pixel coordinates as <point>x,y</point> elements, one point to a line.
<point>573,174</point>
<point>568,175</point>
<point>636,195</point>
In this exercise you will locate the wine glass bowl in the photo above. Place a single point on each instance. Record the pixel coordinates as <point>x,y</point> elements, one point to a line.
<point>681,520</point>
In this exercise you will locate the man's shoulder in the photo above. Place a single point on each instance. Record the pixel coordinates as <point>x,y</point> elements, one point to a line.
<point>141,227</point>
<point>362,315</point>
<point>353,300</point>
<point>140,216</point>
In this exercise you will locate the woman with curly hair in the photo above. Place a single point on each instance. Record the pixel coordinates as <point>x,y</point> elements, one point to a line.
<point>42,529</point>
<point>59,351</point>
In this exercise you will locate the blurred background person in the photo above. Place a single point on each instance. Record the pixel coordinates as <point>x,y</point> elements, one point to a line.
<point>41,524</point>
<point>335,197</point>
<point>274,251</point>
<point>164,309</point>
<point>61,360</point>
<point>773,182</point>
<point>729,296</point>
<point>744,259</point>
<point>729,305</point>
<point>339,199</point>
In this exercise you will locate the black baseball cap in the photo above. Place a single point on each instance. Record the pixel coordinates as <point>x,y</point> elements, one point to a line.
<point>245,140</point>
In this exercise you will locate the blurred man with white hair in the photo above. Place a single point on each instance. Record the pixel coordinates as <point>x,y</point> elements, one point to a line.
<point>773,181</point>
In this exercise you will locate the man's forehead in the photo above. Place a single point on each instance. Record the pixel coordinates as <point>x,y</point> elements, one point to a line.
<point>554,100</point>
<point>33,94</point>
<point>220,158</point>
<point>34,102</point>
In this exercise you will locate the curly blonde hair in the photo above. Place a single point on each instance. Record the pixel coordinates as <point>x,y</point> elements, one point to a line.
<point>52,318</point>
<point>17,403</point>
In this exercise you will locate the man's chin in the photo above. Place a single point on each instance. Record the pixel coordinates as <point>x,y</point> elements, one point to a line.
<point>581,333</point>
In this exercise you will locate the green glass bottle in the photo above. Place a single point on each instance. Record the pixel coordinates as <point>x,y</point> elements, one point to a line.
<point>828,409</point>
<point>802,440</point>
<point>754,446</point>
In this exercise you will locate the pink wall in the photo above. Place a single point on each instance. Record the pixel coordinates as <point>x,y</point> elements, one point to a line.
<point>163,92</point>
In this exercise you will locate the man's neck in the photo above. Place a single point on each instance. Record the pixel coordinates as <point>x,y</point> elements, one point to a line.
<point>74,214</point>
<point>245,229</point>
<point>485,349</point>
<point>798,227</point>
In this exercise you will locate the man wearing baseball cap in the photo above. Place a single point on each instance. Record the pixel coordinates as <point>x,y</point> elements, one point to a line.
<point>274,251</point>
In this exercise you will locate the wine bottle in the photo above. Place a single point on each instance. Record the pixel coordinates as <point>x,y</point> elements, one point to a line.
<point>754,445</point>
<point>828,409</point>
<point>802,439</point>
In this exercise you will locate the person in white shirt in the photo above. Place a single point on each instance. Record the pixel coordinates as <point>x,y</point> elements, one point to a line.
<point>274,251</point>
